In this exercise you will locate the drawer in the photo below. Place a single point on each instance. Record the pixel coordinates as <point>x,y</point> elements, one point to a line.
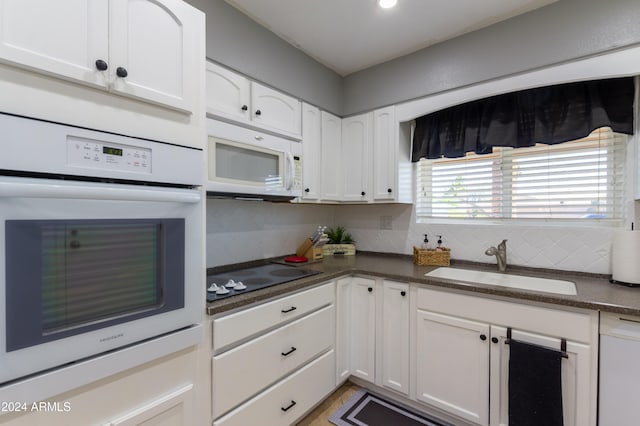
<point>300,391</point>
<point>241,372</point>
<point>240,325</point>
<point>572,325</point>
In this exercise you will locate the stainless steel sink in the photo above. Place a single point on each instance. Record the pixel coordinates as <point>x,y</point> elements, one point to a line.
<point>505,280</point>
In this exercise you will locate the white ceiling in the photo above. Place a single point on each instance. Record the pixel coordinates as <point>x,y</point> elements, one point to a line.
<point>351,35</point>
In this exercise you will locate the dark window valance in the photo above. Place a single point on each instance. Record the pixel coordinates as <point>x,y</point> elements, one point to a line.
<point>549,115</point>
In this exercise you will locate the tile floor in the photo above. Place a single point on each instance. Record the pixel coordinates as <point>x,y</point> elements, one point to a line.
<point>320,416</point>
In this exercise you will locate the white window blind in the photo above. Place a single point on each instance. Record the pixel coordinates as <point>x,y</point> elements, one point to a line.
<point>581,179</point>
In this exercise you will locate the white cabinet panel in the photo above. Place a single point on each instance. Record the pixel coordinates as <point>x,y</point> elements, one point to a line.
<point>274,110</point>
<point>453,365</point>
<point>385,154</point>
<point>60,38</point>
<point>362,328</point>
<point>151,42</point>
<point>343,329</point>
<point>175,409</point>
<point>228,93</point>
<point>395,336</point>
<point>355,157</point>
<point>312,151</point>
<point>330,162</point>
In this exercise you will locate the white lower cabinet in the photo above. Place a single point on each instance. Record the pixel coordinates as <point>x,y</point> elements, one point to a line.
<point>362,327</point>
<point>285,402</point>
<point>343,329</point>
<point>462,361</point>
<point>264,376</point>
<point>453,365</point>
<point>395,336</point>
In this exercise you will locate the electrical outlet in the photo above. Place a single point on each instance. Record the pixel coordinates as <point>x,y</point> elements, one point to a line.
<point>385,222</point>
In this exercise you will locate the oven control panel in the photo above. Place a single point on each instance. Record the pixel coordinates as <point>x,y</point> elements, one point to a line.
<point>94,154</point>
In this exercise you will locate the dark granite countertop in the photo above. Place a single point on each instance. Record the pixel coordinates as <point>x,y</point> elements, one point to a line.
<point>594,291</point>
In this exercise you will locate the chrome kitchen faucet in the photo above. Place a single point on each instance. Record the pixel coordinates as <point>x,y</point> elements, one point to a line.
<point>500,254</point>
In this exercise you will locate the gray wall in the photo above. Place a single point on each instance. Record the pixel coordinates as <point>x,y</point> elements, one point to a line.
<point>566,30</point>
<point>239,43</point>
<point>562,31</point>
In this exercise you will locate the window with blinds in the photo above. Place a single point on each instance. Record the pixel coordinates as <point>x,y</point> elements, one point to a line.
<point>577,180</point>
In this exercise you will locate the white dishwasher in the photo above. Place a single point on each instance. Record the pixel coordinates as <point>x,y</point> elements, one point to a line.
<point>619,370</point>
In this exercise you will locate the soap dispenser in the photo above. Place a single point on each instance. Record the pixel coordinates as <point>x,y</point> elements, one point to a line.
<point>425,243</point>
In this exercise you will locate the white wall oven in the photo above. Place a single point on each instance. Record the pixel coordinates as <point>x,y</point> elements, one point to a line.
<point>247,163</point>
<point>100,243</point>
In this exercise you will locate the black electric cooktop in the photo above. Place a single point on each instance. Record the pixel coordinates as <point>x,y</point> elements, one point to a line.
<point>253,279</point>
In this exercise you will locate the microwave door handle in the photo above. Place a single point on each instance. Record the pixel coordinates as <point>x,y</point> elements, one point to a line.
<point>289,171</point>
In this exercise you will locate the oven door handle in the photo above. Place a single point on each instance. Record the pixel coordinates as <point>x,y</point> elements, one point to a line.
<point>11,187</point>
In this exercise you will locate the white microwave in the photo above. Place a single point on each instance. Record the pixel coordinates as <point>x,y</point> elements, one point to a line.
<point>245,163</point>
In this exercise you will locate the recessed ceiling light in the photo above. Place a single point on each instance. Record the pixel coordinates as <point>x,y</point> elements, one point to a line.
<point>386,4</point>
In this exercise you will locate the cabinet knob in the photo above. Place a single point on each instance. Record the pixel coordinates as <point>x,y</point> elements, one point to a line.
<point>244,107</point>
<point>306,190</point>
<point>363,193</point>
<point>370,289</point>
<point>101,65</point>
<point>258,112</point>
<point>483,337</point>
<point>403,293</point>
<point>121,72</point>
<point>494,340</point>
<point>389,190</point>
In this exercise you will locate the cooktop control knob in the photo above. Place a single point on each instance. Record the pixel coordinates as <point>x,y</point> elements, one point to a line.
<point>230,284</point>
<point>240,286</point>
<point>213,287</point>
<point>222,290</point>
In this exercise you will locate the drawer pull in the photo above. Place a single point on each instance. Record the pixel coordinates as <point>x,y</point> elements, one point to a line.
<point>292,350</point>
<point>291,309</point>
<point>288,407</point>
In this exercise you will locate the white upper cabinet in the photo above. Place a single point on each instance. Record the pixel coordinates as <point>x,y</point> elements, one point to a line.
<point>312,151</point>
<point>330,159</point>
<point>151,51</point>
<point>135,48</point>
<point>385,154</point>
<point>232,96</point>
<point>228,93</point>
<point>32,36</point>
<point>355,157</point>
<point>274,110</point>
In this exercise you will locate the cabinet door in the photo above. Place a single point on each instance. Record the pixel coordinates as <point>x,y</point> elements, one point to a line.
<point>175,409</point>
<point>228,93</point>
<point>152,42</point>
<point>330,161</point>
<point>395,336</point>
<point>577,382</point>
<point>385,154</point>
<point>363,327</point>
<point>355,157</point>
<point>343,327</point>
<point>60,38</point>
<point>452,370</point>
<point>274,110</point>
<point>311,149</point>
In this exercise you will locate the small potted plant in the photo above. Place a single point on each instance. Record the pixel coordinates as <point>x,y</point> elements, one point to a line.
<point>340,242</point>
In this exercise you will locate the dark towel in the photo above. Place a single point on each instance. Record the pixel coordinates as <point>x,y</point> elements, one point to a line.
<point>535,385</point>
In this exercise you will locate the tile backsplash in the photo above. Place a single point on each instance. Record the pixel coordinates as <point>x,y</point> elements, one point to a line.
<point>239,231</point>
<point>575,248</point>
